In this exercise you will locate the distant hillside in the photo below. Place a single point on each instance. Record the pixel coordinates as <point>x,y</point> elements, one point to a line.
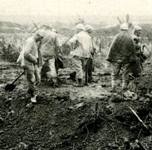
<point>10,27</point>
<point>113,30</point>
<point>68,29</point>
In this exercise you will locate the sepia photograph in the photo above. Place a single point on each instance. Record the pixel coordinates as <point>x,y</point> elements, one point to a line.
<point>75,74</point>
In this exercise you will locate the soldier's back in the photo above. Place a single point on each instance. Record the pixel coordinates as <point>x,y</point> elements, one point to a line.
<point>121,48</point>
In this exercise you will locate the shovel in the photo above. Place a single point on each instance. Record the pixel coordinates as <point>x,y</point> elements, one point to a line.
<point>11,87</point>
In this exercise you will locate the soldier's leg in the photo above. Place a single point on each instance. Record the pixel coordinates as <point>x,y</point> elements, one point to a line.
<point>125,77</point>
<point>58,63</point>
<point>85,69</point>
<point>44,70</point>
<point>115,75</point>
<point>90,69</point>
<point>37,74</point>
<point>135,70</point>
<point>30,75</point>
<point>77,65</point>
<point>128,84</point>
<point>52,74</point>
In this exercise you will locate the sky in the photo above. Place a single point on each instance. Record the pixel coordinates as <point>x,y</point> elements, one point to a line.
<point>24,10</point>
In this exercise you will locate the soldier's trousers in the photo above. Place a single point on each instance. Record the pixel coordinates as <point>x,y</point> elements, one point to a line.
<point>88,68</point>
<point>83,68</point>
<point>49,70</point>
<point>78,67</point>
<point>120,72</point>
<point>33,78</point>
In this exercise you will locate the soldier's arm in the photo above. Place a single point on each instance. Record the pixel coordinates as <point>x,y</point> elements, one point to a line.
<point>27,53</point>
<point>30,58</point>
<point>132,47</point>
<point>57,45</point>
<point>131,51</point>
<point>111,48</point>
<point>95,47</point>
<point>73,40</point>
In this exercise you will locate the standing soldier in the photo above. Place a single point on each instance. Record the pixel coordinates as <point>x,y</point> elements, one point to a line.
<point>90,66</point>
<point>142,49</point>
<point>50,51</point>
<point>30,59</point>
<point>137,39</point>
<point>81,53</point>
<point>142,53</point>
<point>136,67</point>
<point>121,54</point>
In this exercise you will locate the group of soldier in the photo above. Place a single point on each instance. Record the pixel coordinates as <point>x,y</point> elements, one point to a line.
<point>41,55</point>
<point>126,56</point>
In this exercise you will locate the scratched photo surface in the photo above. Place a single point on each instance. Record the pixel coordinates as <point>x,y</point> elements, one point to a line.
<point>75,74</point>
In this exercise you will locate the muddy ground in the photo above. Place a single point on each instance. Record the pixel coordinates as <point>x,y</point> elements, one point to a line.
<point>72,118</point>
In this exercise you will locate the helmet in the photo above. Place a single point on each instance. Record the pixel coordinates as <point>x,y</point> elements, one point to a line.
<point>54,30</point>
<point>137,28</point>
<point>46,27</point>
<point>41,32</point>
<point>124,27</point>
<point>80,27</point>
<point>89,28</point>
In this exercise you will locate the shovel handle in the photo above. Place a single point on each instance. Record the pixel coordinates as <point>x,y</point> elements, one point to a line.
<point>18,77</point>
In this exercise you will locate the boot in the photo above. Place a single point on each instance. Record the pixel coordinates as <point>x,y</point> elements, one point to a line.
<point>33,99</point>
<point>79,83</point>
<point>30,92</point>
<point>86,80</point>
<point>55,82</point>
<point>124,85</point>
<point>114,86</point>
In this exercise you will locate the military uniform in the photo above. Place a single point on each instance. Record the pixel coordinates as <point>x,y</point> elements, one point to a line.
<point>136,67</point>
<point>28,59</point>
<point>49,49</point>
<point>90,66</point>
<point>81,53</point>
<point>121,54</point>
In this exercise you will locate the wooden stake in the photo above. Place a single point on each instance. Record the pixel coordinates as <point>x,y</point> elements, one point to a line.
<point>133,111</point>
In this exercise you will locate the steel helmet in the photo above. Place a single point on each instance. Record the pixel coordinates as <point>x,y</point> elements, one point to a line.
<point>124,26</point>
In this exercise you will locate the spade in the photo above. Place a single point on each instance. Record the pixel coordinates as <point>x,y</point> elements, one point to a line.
<point>11,87</point>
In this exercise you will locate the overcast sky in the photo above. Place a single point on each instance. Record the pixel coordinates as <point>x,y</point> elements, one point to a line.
<point>63,8</point>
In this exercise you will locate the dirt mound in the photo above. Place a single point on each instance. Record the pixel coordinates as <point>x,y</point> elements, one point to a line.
<point>69,118</point>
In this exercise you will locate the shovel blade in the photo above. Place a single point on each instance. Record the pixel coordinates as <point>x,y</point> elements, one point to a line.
<point>10,87</point>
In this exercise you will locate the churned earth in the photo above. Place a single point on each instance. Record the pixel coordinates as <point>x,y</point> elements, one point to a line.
<point>72,118</point>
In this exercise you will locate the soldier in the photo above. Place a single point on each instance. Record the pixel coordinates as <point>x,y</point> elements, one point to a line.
<point>136,67</point>
<point>30,59</point>
<point>142,53</point>
<point>81,53</point>
<point>121,54</point>
<point>137,38</point>
<point>89,66</point>
<point>50,50</point>
<point>54,30</point>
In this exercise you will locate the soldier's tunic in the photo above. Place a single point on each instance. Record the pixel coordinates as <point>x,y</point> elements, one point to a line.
<point>49,51</point>
<point>121,54</point>
<point>28,58</point>
<point>136,67</point>
<point>82,52</point>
